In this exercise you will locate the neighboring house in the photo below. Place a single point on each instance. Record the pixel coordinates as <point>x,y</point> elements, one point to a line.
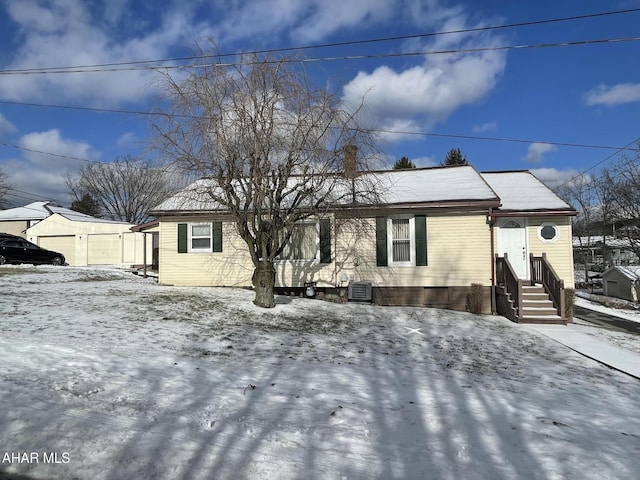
<point>599,250</point>
<point>622,282</point>
<point>82,239</point>
<point>435,232</point>
<point>17,220</point>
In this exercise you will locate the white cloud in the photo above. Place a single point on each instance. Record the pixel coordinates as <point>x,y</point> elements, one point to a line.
<point>553,177</point>
<point>67,152</point>
<point>425,162</point>
<point>44,174</point>
<point>303,21</point>
<point>615,95</point>
<point>537,151</point>
<point>64,33</point>
<point>128,140</point>
<point>6,126</point>
<point>429,92</point>
<point>485,127</point>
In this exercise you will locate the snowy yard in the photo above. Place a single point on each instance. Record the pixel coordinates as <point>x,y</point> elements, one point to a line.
<point>104,375</point>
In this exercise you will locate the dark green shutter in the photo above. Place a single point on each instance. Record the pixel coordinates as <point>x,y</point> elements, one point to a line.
<point>217,236</point>
<point>325,240</point>
<point>381,242</point>
<point>182,238</point>
<point>421,240</point>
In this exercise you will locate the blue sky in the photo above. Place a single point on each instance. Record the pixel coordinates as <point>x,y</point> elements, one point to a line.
<point>588,94</point>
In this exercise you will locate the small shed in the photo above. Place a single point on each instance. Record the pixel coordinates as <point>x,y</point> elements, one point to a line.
<point>622,282</point>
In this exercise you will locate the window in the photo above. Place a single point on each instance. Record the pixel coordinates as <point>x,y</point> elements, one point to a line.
<point>310,241</point>
<point>401,241</point>
<point>303,243</point>
<point>200,237</point>
<point>548,232</point>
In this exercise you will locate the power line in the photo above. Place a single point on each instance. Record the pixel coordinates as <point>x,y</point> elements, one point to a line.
<point>31,150</point>
<point>594,184</point>
<point>385,131</point>
<point>372,130</point>
<point>502,139</point>
<point>452,51</point>
<point>329,45</point>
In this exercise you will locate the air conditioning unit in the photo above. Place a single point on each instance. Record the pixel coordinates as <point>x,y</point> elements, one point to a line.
<point>359,291</point>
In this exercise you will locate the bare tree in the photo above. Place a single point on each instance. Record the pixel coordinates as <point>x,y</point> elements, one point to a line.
<point>623,187</point>
<point>4,189</point>
<point>581,194</point>
<point>125,189</point>
<point>271,147</point>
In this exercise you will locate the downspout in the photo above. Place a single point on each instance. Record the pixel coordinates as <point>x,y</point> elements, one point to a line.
<point>493,262</point>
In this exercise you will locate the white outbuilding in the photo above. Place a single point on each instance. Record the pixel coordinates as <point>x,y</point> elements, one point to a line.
<point>83,239</point>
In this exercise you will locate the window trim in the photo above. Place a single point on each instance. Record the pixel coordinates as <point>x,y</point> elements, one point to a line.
<point>412,241</point>
<point>190,237</point>
<point>549,240</point>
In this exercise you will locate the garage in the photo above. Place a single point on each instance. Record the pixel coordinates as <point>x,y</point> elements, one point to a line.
<point>64,244</point>
<point>104,249</point>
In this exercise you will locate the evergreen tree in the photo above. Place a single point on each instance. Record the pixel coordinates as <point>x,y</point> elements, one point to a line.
<point>403,163</point>
<point>454,157</point>
<point>87,205</point>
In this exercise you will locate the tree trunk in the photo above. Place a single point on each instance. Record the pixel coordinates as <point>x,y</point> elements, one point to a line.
<point>264,279</point>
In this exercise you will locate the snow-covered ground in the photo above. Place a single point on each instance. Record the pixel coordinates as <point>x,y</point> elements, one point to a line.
<point>104,375</point>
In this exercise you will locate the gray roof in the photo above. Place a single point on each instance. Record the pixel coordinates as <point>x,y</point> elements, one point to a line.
<point>522,191</point>
<point>513,191</point>
<point>42,210</point>
<point>395,187</point>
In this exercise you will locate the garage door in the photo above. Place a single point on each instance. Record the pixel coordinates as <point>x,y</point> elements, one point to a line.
<point>64,244</point>
<point>104,249</point>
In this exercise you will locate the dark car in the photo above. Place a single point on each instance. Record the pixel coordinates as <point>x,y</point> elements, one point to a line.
<point>8,235</point>
<point>19,250</point>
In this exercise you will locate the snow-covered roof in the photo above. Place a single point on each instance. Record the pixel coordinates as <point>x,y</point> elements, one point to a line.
<point>433,185</point>
<point>42,210</point>
<point>74,216</point>
<point>521,190</point>
<point>33,211</point>
<point>395,187</point>
<point>599,241</point>
<point>632,272</point>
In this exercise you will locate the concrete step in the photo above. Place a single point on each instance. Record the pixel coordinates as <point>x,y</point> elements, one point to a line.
<point>539,311</point>
<point>537,305</point>
<point>551,319</point>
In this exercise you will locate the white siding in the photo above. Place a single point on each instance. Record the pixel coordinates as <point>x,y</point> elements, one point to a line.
<point>560,252</point>
<point>458,253</point>
<point>458,243</point>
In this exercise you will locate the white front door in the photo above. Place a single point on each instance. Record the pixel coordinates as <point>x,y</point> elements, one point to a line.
<point>512,240</point>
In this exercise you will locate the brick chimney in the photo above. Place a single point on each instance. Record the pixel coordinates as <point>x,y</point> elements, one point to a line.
<point>350,165</point>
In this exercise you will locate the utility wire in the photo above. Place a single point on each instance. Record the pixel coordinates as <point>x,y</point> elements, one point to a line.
<point>372,130</point>
<point>452,51</point>
<point>334,44</point>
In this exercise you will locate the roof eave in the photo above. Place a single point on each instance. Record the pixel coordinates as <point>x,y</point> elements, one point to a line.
<point>490,203</point>
<point>536,213</point>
